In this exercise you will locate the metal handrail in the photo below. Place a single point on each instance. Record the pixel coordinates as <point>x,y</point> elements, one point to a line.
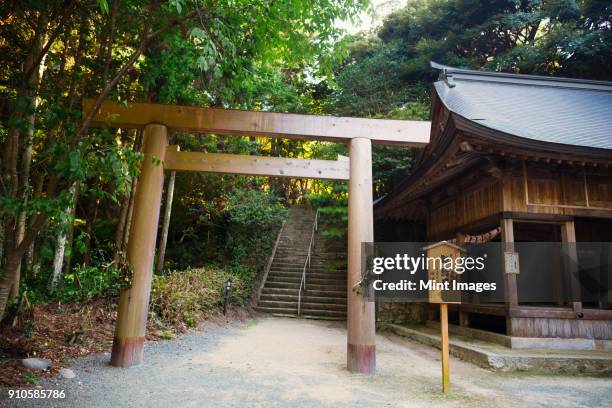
<point>307,262</point>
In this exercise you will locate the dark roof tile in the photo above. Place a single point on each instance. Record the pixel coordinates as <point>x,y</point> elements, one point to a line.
<point>556,110</point>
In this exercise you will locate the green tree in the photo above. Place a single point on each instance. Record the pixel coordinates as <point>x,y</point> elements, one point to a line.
<point>246,53</point>
<point>388,74</point>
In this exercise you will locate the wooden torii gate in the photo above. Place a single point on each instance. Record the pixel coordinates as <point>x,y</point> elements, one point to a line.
<point>156,119</point>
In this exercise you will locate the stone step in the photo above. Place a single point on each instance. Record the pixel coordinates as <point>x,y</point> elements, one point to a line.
<point>306,226</point>
<point>327,318</point>
<point>305,306</point>
<point>317,259</point>
<point>298,270</point>
<point>309,292</point>
<point>324,256</point>
<point>305,312</point>
<point>325,294</point>
<point>302,259</point>
<point>497,357</point>
<point>299,264</point>
<point>314,287</point>
<point>279,291</point>
<point>306,298</point>
<point>296,266</point>
<point>315,273</point>
<point>309,274</point>
<point>303,254</point>
<point>309,280</point>
<point>301,245</point>
<point>309,317</point>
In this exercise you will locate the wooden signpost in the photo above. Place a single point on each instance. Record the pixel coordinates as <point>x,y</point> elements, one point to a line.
<point>437,272</point>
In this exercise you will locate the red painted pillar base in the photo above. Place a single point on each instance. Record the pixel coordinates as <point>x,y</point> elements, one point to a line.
<point>361,358</point>
<point>127,352</point>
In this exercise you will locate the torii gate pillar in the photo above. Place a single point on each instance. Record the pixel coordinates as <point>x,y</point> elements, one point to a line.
<point>361,347</point>
<point>131,325</point>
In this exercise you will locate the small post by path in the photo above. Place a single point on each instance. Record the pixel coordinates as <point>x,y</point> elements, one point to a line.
<point>444,347</point>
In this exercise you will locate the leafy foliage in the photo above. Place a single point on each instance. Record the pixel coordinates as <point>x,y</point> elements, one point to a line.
<point>87,282</point>
<point>186,296</point>
<point>254,209</point>
<point>332,204</point>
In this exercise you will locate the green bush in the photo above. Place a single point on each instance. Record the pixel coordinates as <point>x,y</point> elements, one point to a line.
<point>185,296</point>
<point>86,282</point>
<point>333,210</point>
<point>237,229</point>
<point>254,218</point>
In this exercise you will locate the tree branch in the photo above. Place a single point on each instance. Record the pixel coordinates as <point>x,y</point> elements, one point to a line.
<point>127,66</point>
<point>60,26</point>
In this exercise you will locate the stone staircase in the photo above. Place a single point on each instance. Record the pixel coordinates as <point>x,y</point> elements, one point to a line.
<point>325,294</point>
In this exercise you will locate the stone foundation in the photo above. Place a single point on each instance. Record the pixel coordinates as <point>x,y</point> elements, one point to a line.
<point>400,312</point>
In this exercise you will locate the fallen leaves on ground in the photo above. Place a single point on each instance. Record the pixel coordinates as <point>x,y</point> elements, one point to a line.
<point>59,332</point>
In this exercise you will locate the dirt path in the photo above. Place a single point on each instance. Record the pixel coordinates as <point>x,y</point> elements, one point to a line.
<point>286,362</point>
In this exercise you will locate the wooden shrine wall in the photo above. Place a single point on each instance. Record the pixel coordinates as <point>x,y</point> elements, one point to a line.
<point>468,205</point>
<point>536,188</point>
<point>553,189</point>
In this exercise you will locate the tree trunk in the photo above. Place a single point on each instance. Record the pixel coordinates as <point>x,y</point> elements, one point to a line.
<point>92,210</point>
<point>1,241</point>
<point>70,237</point>
<point>119,233</point>
<point>122,233</point>
<point>30,254</point>
<point>128,219</point>
<point>167,212</point>
<point>20,183</point>
<point>26,161</point>
<point>58,259</point>
<point>10,268</point>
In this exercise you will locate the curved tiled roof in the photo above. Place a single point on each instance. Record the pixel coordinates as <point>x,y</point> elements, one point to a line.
<point>555,110</point>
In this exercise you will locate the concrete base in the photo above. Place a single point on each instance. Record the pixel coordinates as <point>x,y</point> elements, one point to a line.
<point>500,358</point>
<point>559,344</point>
<point>525,342</point>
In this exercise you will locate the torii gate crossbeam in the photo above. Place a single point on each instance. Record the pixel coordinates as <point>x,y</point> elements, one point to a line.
<point>156,119</point>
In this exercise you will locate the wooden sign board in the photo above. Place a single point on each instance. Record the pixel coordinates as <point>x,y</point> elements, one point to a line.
<point>511,263</point>
<point>437,273</point>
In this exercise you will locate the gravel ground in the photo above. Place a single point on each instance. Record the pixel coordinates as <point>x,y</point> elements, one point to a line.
<point>274,362</point>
